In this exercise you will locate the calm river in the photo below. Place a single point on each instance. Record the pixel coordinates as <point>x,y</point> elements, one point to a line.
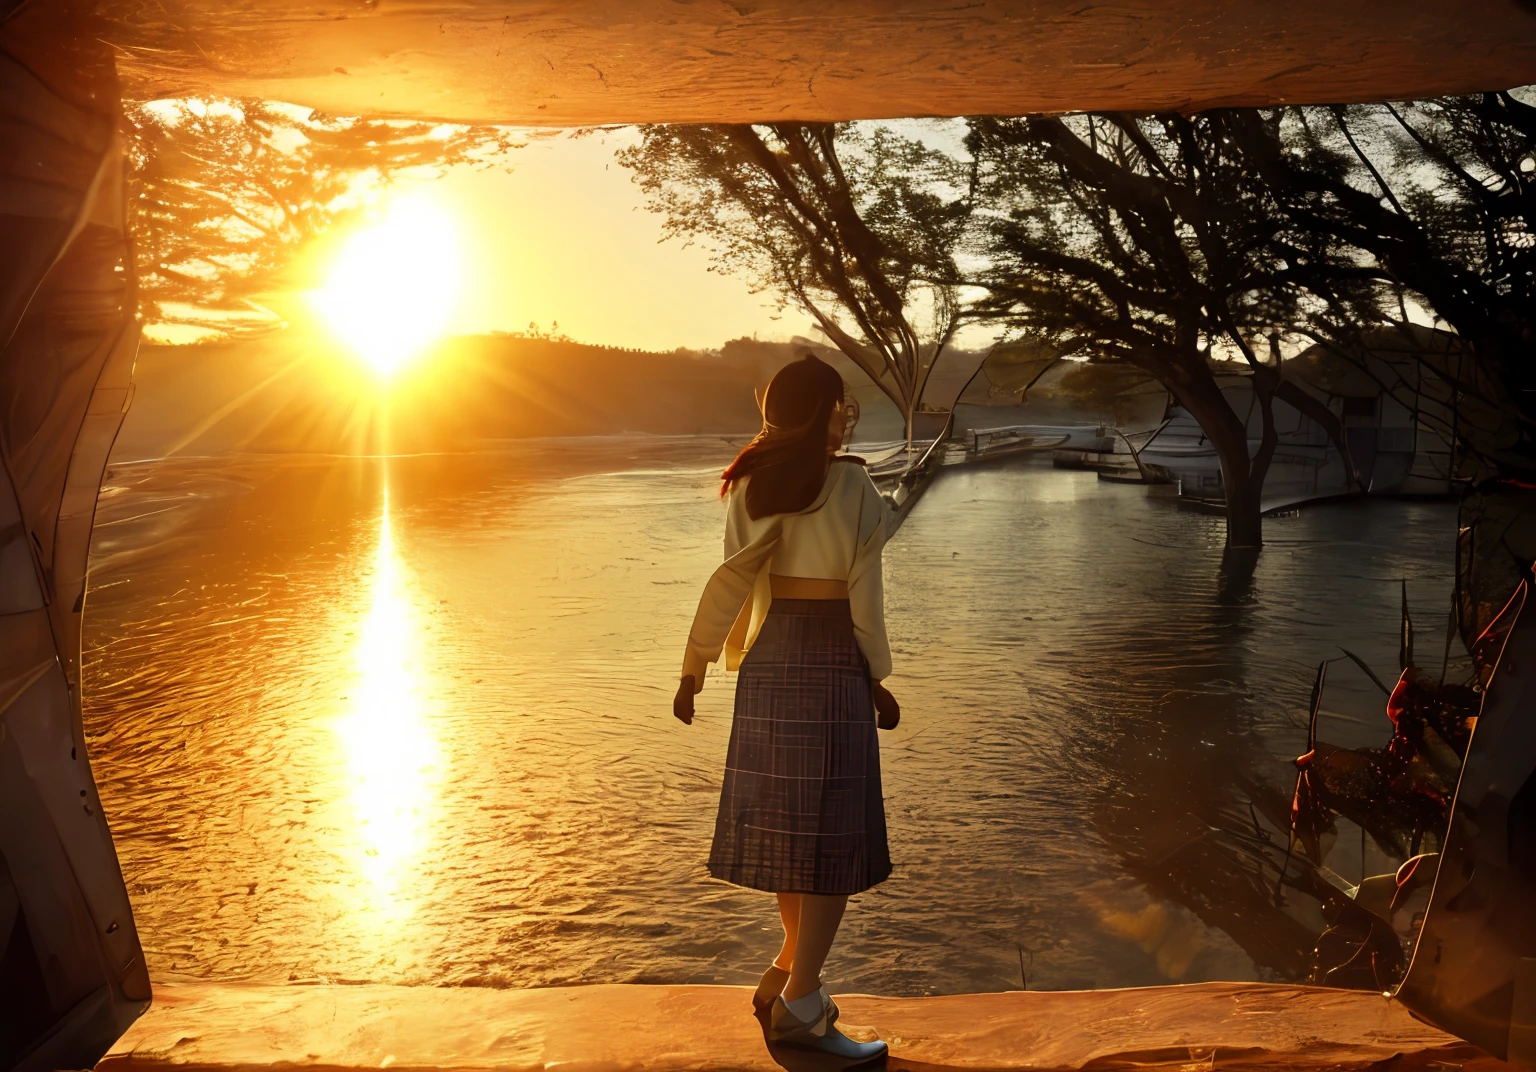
<point>409,721</point>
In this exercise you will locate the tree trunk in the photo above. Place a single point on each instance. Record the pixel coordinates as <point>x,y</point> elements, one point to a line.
<point>1229,436</point>
<point>1245,527</point>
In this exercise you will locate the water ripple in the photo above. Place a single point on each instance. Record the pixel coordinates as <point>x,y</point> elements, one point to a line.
<point>1074,691</point>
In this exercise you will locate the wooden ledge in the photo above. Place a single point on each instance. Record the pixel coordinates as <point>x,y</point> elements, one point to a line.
<point>1204,1026</point>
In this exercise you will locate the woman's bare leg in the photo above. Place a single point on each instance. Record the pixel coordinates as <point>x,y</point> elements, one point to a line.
<point>789,914</point>
<point>820,916</point>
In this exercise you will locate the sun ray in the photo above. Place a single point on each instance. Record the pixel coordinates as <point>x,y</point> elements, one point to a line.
<point>387,738</point>
<point>393,285</point>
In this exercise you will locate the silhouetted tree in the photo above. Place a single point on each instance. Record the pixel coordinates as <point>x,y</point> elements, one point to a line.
<point>1144,240</point>
<point>1437,199</point>
<point>858,226</point>
<point>224,192</point>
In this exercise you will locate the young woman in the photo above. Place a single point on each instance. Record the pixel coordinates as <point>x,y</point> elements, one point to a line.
<point>798,607</point>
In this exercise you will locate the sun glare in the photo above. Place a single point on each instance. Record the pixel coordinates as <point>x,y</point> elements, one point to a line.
<point>392,286</point>
<point>387,738</point>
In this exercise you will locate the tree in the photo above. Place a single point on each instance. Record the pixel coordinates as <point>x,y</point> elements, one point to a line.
<point>224,192</point>
<point>1437,200</point>
<point>1144,240</point>
<point>1452,228</point>
<point>858,226</point>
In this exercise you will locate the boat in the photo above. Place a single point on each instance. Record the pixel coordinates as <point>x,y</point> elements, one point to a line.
<point>1393,452</point>
<point>1135,474</point>
<point>903,480</point>
<point>986,445</point>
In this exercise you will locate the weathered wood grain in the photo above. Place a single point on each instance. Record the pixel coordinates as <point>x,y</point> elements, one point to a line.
<point>1252,1027</point>
<point>576,62</point>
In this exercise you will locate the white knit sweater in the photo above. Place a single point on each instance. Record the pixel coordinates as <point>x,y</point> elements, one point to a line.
<point>838,537</point>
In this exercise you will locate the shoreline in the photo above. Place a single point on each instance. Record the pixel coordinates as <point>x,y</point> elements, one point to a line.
<point>640,1028</point>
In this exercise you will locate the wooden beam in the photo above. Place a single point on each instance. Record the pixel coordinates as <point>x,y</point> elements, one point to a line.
<point>576,62</point>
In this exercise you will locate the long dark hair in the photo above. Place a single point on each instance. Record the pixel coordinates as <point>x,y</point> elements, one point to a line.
<point>788,459</point>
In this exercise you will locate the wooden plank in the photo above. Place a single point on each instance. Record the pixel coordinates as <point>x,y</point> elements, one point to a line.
<point>601,61</point>
<point>1247,1026</point>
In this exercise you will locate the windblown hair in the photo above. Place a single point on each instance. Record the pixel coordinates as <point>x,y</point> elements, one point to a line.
<point>788,459</point>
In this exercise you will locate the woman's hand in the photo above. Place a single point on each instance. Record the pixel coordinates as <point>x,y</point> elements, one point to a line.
<point>682,703</point>
<point>887,710</point>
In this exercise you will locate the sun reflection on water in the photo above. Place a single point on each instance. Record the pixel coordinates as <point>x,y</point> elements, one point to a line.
<point>389,747</point>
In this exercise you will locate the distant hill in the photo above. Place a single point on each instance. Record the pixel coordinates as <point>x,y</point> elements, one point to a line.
<point>291,393</point>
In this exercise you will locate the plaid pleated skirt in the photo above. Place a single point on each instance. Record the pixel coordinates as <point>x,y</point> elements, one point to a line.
<point>801,810</point>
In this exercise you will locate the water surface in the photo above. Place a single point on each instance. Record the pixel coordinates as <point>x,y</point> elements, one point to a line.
<point>409,721</point>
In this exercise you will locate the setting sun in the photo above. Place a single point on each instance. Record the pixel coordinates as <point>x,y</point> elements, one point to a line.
<point>392,287</point>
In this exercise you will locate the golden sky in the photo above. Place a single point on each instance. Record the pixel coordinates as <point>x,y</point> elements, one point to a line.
<point>565,238</point>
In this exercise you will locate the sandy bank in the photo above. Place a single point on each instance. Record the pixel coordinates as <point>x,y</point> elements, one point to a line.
<point>645,1028</point>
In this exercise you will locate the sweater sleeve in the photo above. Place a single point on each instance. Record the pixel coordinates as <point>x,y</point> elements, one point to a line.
<point>866,585</point>
<point>749,545</point>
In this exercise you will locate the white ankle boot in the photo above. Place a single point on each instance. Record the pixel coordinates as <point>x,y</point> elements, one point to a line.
<point>817,1033</point>
<point>771,985</point>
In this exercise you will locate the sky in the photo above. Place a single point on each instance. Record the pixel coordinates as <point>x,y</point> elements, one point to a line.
<point>565,238</point>
<point>555,236</point>
<point>551,236</point>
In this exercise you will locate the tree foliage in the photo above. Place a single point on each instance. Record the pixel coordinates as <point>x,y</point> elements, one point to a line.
<point>859,226</point>
<point>1435,201</point>
<point>225,192</point>
<point>1436,197</point>
<point>1162,241</point>
<point>1147,240</point>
